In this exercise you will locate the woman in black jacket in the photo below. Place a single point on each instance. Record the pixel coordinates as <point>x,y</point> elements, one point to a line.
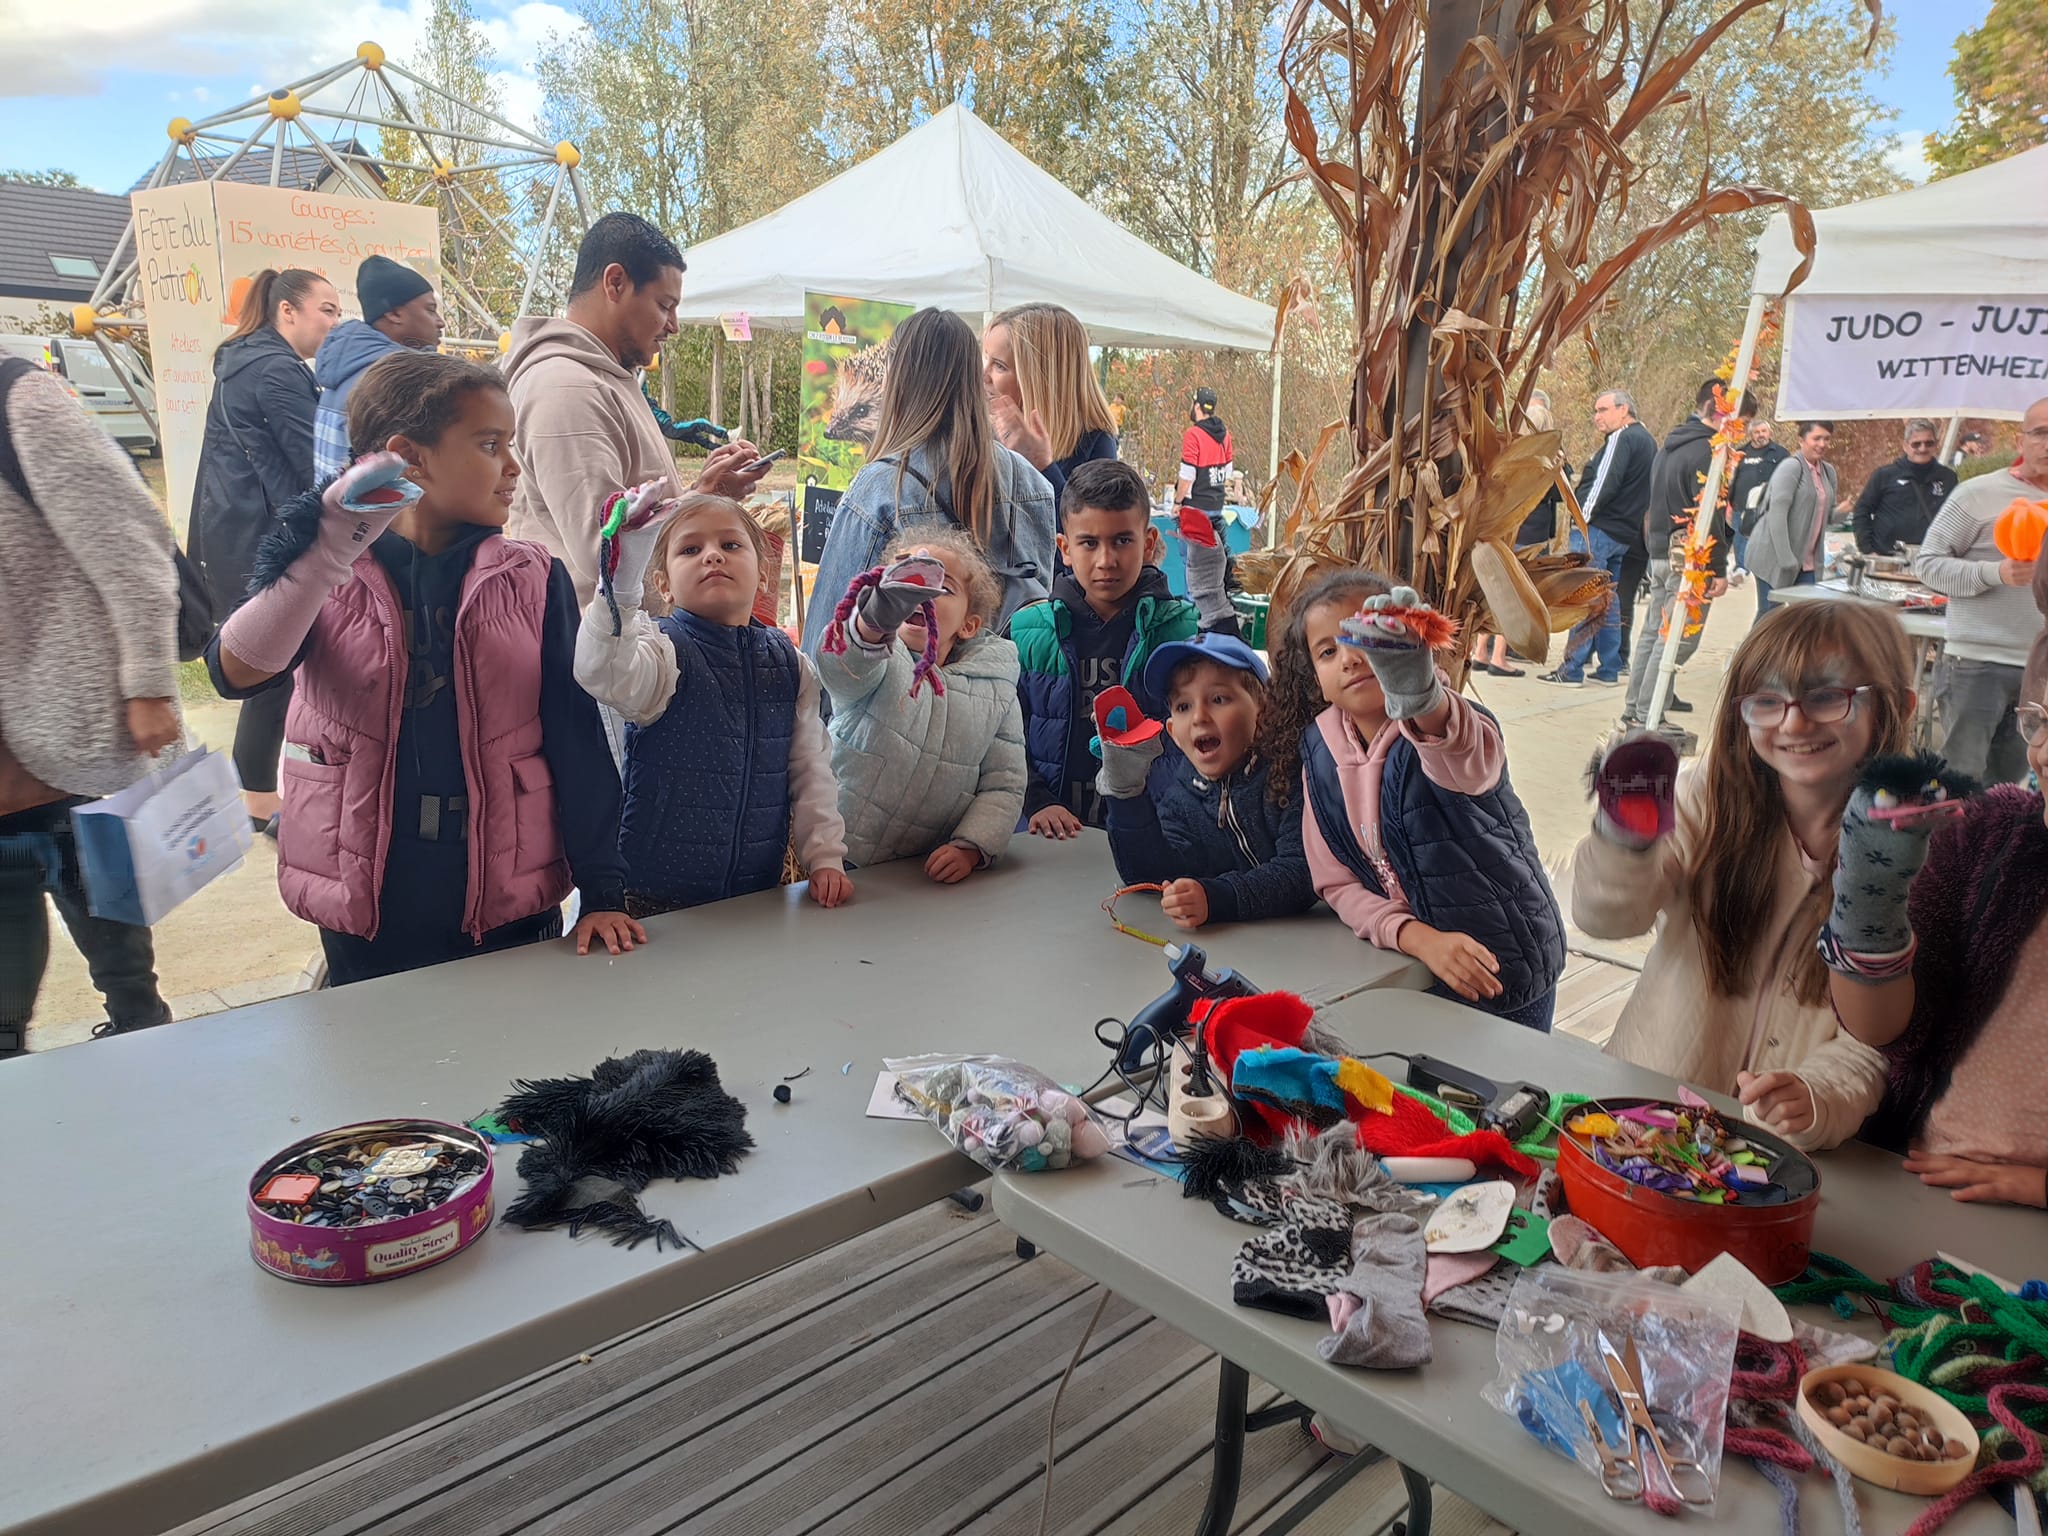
<point>256,456</point>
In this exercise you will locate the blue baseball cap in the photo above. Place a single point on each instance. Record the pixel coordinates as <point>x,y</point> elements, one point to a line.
<point>1224,650</point>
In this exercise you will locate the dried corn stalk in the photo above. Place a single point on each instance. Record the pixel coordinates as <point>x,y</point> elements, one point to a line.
<point>1464,149</point>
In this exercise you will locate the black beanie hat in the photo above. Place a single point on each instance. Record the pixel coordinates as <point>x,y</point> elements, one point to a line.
<point>383,284</point>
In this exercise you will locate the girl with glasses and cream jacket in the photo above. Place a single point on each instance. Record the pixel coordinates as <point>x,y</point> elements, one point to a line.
<point>1732,863</point>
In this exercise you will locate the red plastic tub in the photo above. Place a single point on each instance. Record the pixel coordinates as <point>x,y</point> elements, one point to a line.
<point>1654,1228</point>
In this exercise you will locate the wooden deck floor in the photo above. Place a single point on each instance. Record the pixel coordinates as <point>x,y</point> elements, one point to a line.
<point>894,1386</point>
<point>1590,995</point>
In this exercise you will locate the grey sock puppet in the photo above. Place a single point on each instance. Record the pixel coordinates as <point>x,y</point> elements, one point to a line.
<point>1885,832</point>
<point>1400,659</point>
<point>1207,566</point>
<point>1387,1329</point>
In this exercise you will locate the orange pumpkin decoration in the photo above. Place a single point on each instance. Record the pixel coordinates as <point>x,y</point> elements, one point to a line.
<point>2019,529</point>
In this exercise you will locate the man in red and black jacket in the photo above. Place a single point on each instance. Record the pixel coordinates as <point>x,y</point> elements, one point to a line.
<point>1205,470</point>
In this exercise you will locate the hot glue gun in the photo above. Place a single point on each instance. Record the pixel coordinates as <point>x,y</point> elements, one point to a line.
<point>1165,1018</point>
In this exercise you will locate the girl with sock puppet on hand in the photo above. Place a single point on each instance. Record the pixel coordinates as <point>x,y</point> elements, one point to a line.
<point>927,733</point>
<point>444,777</point>
<point>1413,833</point>
<point>1733,862</point>
<point>1186,802</point>
<point>1937,953</point>
<point>726,761</point>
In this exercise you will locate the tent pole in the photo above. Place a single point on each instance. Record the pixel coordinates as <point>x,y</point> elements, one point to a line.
<point>1273,461</point>
<point>1703,519</point>
<point>1948,438</point>
<point>718,373</point>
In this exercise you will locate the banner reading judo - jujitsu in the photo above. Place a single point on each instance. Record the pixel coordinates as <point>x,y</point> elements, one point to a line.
<point>1867,356</point>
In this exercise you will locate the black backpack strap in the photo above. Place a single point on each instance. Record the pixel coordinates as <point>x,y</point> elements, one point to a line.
<point>12,368</point>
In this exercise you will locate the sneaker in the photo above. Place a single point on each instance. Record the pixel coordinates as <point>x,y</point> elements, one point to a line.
<point>1676,706</point>
<point>1605,682</point>
<point>1560,680</point>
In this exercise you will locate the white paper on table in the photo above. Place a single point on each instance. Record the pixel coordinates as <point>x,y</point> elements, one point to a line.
<point>883,1103</point>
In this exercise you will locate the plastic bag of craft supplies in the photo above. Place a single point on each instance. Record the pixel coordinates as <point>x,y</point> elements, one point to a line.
<point>1006,1116</point>
<point>1578,1351</point>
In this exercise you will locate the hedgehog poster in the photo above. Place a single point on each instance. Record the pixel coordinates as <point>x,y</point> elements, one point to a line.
<point>846,352</point>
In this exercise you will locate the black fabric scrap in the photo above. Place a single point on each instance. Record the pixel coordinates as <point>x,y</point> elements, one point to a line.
<point>602,1139</point>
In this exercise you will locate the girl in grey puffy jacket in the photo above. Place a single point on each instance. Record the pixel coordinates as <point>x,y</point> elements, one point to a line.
<point>931,771</point>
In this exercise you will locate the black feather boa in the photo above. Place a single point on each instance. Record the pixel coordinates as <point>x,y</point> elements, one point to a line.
<point>604,1138</point>
<point>296,526</point>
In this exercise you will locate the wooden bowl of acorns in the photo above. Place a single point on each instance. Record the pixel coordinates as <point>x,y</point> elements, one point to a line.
<point>1888,1430</point>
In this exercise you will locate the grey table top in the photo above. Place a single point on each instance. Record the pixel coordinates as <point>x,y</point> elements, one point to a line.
<point>1921,623</point>
<point>151,1372</point>
<point>1172,1256</point>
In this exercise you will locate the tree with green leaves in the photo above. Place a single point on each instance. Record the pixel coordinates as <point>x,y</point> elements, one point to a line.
<point>49,178</point>
<point>2001,78</point>
<point>1790,109</point>
<point>486,215</point>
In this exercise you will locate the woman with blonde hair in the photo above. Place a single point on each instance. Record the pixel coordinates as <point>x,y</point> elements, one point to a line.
<point>1733,864</point>
<point>1043,398</point>
<point>935,460</point>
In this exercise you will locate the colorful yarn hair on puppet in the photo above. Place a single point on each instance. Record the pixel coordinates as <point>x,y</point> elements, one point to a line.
<point>927,667</point>
<point>632,508</point>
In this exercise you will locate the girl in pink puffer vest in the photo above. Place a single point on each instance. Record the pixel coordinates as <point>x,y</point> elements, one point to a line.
<point>445,780</point>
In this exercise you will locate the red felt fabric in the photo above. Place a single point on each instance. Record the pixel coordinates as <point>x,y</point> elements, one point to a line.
<point>1236,1024</point>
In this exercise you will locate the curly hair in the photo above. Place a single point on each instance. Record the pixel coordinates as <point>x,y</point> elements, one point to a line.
<point>415,395</point>
<point>1295,698</point>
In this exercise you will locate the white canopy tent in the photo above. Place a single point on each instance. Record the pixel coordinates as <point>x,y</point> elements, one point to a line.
<point>951,215</point>
<point>1928,302</point>
<point>1932,301</point>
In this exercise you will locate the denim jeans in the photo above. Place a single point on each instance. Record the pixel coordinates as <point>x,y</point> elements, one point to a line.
<point>1600,636</point>
<point>38,857</point>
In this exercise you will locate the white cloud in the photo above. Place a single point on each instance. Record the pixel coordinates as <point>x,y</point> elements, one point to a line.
<point>1906,153</point>
<point>58,50</point>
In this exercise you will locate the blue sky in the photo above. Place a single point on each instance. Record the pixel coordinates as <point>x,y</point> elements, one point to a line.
<point>89,84</point>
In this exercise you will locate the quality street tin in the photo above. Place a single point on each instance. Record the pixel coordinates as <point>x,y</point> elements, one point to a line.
<point>368,1202</point>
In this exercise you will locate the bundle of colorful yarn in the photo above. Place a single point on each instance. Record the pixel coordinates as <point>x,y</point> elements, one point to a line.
<point>1685,1152</point>
<point>1967,1338</point>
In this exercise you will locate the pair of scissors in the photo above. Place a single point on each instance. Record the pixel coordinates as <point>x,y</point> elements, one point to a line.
<point>1686,1477</point>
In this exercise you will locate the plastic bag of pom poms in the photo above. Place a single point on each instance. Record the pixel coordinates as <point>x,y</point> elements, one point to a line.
<point>1006,1116</point>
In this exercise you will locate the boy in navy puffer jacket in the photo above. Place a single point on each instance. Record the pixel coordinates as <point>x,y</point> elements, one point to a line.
<point>1189,808</point>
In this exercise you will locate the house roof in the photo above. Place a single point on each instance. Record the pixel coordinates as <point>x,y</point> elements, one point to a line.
<point>302,168</point>
<point>68,223</point>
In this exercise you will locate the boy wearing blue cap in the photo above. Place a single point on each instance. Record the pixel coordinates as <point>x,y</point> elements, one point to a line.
<point>1187,806</point>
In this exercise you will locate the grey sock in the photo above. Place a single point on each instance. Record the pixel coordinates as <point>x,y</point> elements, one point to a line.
<point>1206,564</point>
<point>1388,1331</point>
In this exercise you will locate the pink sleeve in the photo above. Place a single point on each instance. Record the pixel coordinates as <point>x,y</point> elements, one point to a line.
<point>1467,759</point>
<point>1376,919</point>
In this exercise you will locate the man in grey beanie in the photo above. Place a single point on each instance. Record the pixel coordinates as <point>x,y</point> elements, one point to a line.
<point>399,310</point>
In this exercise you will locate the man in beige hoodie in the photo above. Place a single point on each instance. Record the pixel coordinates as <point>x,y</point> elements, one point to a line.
<point>582,429</point>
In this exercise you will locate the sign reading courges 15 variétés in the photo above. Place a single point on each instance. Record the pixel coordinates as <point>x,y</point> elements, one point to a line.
<point>1866,356</point>
<point>198,245</point>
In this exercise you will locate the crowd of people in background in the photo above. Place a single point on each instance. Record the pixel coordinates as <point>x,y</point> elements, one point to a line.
<point>496,657</point>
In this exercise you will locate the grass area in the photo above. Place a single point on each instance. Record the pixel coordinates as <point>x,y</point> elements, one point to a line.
<point>194,686</point>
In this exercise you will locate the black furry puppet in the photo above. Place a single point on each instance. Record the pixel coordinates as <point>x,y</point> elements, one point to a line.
<point>602,1139</point>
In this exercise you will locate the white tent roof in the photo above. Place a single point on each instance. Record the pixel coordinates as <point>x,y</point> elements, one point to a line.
<point>950,215</point>
<point>1983,232</point>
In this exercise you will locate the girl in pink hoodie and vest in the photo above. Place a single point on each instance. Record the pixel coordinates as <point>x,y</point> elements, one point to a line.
<point>445,780</point>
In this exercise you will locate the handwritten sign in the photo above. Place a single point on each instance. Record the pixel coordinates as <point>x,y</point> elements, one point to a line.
<point>200,245</point>
<point>1861,356</point>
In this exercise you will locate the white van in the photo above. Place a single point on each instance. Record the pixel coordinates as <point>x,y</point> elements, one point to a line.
<point>103,391</point>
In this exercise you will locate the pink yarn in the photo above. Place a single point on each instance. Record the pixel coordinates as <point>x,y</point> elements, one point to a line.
<point>834,643</point>
<point>2000,1400</point>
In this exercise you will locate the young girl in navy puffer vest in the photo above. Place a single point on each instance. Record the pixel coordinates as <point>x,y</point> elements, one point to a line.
<point>726,760</point>
<point>1413,833</point>
<point>444,778</point>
